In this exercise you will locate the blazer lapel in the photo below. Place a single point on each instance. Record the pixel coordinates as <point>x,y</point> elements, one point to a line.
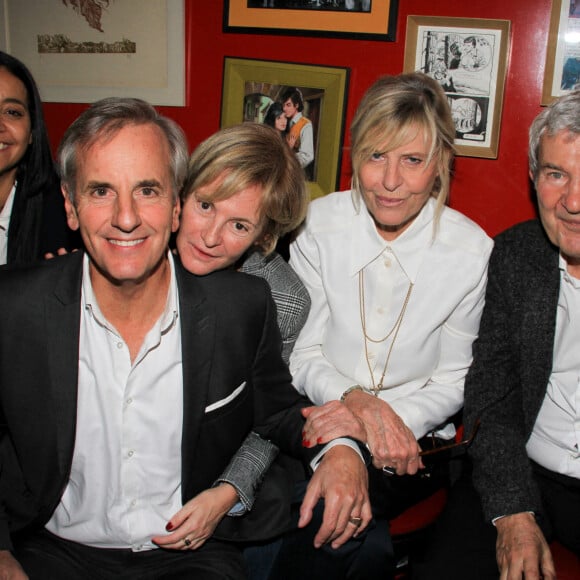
<point>62,330</point>
<point>197,346</point>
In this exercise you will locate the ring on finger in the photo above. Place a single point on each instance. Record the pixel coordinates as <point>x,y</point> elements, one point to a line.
<point>355,521</point>
<point>389,470</point>
<point>187,541</point>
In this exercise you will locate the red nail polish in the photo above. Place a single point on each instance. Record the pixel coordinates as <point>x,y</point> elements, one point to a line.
<point>305,443</point>
<point>169,526</point>
<point>319,440</point>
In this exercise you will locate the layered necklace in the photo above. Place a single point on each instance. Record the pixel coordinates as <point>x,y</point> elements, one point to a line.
<point>394,332</point>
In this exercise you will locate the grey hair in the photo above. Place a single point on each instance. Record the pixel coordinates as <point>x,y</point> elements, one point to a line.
<point>103,120</point>
<point>562,115</point>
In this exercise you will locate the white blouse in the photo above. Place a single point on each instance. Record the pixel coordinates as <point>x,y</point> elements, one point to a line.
<point>447,265</point>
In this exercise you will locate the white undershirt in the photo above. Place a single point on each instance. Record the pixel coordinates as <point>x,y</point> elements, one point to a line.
<point>125,481</point>
<point>4,223</point>
<point>556,436</point>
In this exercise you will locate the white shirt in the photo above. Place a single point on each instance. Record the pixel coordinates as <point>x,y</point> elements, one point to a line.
<point>125,481</point>
<point>433,349</point>
<point>5,223</point>
<point>555,438</point>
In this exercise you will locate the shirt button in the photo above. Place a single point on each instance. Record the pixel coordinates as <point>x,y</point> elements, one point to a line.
<point>119,345</point>
<point>387,262</point>
<point>129,401</point>
<point>133,504</point>
<point>131,453</point>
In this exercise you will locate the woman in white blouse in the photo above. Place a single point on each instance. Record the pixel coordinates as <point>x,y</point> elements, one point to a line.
<point>396,280</point>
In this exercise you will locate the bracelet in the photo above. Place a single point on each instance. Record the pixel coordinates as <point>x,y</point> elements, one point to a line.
<point>351,389</point>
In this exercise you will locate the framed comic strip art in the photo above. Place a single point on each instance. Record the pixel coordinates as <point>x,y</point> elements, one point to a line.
<point>364,19</point>
<point>468,57</point>
<point>562,71</point>
<point>250,87</point>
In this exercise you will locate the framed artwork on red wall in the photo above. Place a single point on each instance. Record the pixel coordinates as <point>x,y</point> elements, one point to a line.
<point>80,56</point>
<point>468,57</point>
<point>364,19</point>
<point>253,88</point>
<point>562,71</point>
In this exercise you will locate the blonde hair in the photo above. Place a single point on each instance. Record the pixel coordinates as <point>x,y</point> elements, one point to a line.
<point>391,113</point>
<point>247,155</point>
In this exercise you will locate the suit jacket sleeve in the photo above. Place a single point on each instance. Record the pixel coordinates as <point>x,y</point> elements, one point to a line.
<point>512,360</point>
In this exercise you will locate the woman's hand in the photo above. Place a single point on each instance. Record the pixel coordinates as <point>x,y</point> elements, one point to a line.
<point>196,521</point>
<point>390,441</point>
<point>330,421</point>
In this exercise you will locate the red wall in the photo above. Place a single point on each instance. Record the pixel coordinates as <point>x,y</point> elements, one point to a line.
<point>495,193</point>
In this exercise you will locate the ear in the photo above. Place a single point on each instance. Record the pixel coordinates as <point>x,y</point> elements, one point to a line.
<point>531,175</point>
<point>70,210</point>
<point>175,217</point>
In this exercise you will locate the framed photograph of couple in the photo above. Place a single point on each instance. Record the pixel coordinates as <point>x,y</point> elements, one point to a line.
<point>562,72</point>
<point>362,19</point>
<point>468,57</point>
<point>253,88</point>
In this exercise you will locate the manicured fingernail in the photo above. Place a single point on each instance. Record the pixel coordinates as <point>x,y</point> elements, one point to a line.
<point>169,526</point>
<point>319,440</point>
<point>305,443</point>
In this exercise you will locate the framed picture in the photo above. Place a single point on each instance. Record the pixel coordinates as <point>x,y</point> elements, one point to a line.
<point>250,87</point>
<point>105,49</point>
<point>468,57</point>
<point>562,70</point>
<point>364,19</point>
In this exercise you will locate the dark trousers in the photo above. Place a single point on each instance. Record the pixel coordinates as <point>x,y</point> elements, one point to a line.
<point>370,556</point>
<point>462,544</point>
<point>47,557</point>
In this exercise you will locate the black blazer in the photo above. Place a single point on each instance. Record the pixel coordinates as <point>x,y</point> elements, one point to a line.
<point>512,363</point>
<point>229,336</point>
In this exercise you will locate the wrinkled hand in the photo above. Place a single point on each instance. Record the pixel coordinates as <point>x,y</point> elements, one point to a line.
<point>342,480</point>
<point>196,521</point>
<point>522,550</point>
<point>10,569</point>
<point>389,440</point>
<point>330,421</point>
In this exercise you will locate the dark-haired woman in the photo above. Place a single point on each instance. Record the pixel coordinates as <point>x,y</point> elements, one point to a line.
<point>32,219</point>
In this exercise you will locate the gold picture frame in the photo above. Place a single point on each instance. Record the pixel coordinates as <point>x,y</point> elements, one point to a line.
<point>376,21</point>
<point>562,70</point>
<point>469,57</point>
<point>249,86</point>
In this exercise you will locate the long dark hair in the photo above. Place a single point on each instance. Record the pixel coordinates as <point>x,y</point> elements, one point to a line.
<point>36,175</point>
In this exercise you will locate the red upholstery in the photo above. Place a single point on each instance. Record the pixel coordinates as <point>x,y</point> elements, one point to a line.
<point>420,515</point>
<point>567,564</point>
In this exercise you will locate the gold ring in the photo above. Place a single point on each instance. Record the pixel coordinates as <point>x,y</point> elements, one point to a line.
<point>355,521</point>
<point>187,541</point>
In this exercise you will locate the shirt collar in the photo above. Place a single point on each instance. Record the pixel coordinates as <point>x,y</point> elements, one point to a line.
<point>165,322</point>
<point>408,248</point>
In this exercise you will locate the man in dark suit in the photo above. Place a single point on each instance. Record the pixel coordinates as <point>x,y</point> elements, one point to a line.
<point>523,384</point>
<point>127,384</point>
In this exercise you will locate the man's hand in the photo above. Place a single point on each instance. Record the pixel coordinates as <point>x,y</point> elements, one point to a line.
<point>522,550</point>
<point>342,480</point>
<point>329,421</point>
<point>389,440</point>
<point>196,521</point>
<point>10,569</point>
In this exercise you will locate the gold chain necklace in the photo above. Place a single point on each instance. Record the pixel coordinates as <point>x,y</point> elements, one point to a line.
<point>377,388</point>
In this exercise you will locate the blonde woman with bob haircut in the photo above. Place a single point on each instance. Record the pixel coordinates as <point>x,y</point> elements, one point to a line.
<point>397,282</point>
<point>245,190</point>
